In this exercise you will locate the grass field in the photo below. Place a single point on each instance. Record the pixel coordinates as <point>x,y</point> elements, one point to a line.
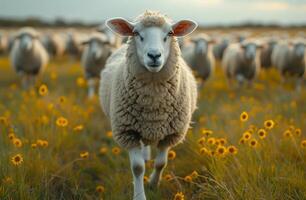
<point>67,150</point>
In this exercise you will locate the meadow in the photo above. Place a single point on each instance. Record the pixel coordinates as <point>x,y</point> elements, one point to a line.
<point>246,143</point>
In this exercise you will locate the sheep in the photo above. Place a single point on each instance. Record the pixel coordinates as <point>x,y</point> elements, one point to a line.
<point>148,92</point>
<point>97,50</point>
<point>289,59</point>
<point>3,44</point>
<point>54,44</point>
<point>266,52</point>
<point>28,56</point>
<point>198,55</point>
<point>73,44</point>
<point>241,61</point>
<point>219,48</point>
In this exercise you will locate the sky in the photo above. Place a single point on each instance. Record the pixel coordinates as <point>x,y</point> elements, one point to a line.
<point>205,12</point>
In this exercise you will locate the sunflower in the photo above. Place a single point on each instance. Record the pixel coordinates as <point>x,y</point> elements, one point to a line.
<point>204,151</point>
<point>206,132</point>
<point>62,99</point>
<point>194,174</point>
<point>246,135</point>
<point>17,159</point>
<point>262,133</point>
<point>179,196</point>
<point>84,154</point>
<point>43,90</point>
<point>232,149</point>
<point>116,150</point>
<point>211,141</point>
<point>188,178</point>
<point>298,132</point>
<point>168,177</point>
<point>17,142</point>
<point>222,141</point>
<point>244,117</point>
<point>221,150</point>
<point>287,133</point>
<point>253,143</point>
<point>171,155</point>
<point>61,122</point>
<point>34,146</point>
<point>303,143</point>
<point>100,189</point>
<point>11,136</point>
<point>201,141</point>
<point>269,124</point>
<point>145,179</point>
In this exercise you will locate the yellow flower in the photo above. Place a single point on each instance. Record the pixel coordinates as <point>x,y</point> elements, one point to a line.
<point>62,99</point>
<point>45,143</point>
<point>222,141</point>
<point>298,132</point>
<point>221,150</point>
<point>168,177</point>
<point>206,132</point>
<point>17,159</point>
<point>247,135</point>
<point>84,154</point>
<point>194,174</point>
<point>188,178</point>
<point>61,122</point>
<point>262,133</point>
<point>11,136</point>
<point>211,141</point>
<point>40,142</point>
<point>33,146</point>
<point>232,149</point>
<point>43,90</point>
<point>201,141</point>
<point>17,142</point>
<point>204,151</point>
<point>253,143</point>
<point>269,124</point>
<point>171,155</point>
<point>103,150</point>
<point>116,150</point>
<point>78,128</point>
<point>244,117</point>
<point>3,120</point>
<point>179,196</point>
<point>145,179</point>
<point>100,189</point>
<point>7,180</point>
<point>303,143</point>
<point>109,134</point>
<point>80,81</point>
<point>242,141</point>
<point>287,133</point>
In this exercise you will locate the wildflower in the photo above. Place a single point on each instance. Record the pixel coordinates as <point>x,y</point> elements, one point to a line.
<point>232,149</point>
<point>221,150</point>
<point>269,124</point>
<point>78,128</point>
<point>103,150</point>
<point>109,134</point>
<point>17,159</point>
<point>34,146</point>
<point>291,128</point>
<point>262,133</point>
<point>168,177</point>
<point>62,99</point>
<point>61,122</point>
<point>241,141</point>
<point>7,180</point>
<point>11,136</point>
<point>100,189</point>
<point>40,142</point>
<point>45,143</point>
<point>188,178</point>
<point>244,117</point>
<point>194,174</point>
<point>80,81</point>
<point>116,150</point>
<point>206,132</point>
<point>43,90</point>
<point>253,143</point>
<point>287,133</point>
<point>303,143</point>
<point>222,141</point>
<point>171,155</point>
<point>211,141</point>
<point>17,142</point>
<point>204,151</point>
<point>298,131</point>
<point>145,179</point>
<point>246,135</point>
<point>201,141</point>
<point>179,196</point>
<point>84,154</point>
<point>3,120</point>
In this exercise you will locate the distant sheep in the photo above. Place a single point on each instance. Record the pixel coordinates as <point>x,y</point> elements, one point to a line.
<point>73,45</point>
<point>148,91</point>
<point>241,61</point>
<point>266,52</point>
<point>289,59</point>
<point>3,44</point>
<point>54,44</point>
<point>28,56</point>
<point>97,50</point>
<point>198,55</point>
<point>219,47</point>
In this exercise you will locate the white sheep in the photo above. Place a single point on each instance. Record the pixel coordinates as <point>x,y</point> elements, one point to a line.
<point>266,52</point>
<point>28,56</point>
<point>97,50</point>
<point>3,44</point>
<point>198,55</point>
<point>220,46</point>
<point>241,61</point>
<point>148,91</point>
<point>73,44</point>
<point>289,59</point>
<point>54,44</point>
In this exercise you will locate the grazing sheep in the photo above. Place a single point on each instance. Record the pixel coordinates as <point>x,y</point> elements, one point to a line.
<point>74,44</point>
<point>241,61</point>
<point>219,48</point>
<point>289,59</point>
<point>266,52</point>
<point>198,55</point>
<point>97,50</point>
<point>28,56</point>
<point>54,44</point>
<point>148,92</point>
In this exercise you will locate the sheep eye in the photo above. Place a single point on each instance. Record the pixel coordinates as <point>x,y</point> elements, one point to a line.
<point>137,34</point>
<point>170,33</point>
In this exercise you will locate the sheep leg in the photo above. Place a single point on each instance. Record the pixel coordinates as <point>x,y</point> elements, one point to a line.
<point>138,170</point>
<point>159,165</point>
<point>146,153</point>
<point>91,88</point>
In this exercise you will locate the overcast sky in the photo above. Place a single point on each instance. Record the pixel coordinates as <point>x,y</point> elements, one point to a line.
<point>203,11</point>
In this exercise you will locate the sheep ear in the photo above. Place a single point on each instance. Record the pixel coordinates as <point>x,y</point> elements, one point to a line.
<point>120,26</point>
<point>183,28</point>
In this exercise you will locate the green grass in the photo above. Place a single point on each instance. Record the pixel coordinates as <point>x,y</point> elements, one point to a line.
<point>275,169</point>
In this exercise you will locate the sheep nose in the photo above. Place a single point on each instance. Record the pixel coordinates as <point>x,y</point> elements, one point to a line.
<point>154,55</point>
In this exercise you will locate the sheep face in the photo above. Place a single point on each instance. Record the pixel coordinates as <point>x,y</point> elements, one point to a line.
<point>96,48</point>
<point>299,50</point>
<point>201,46</point>
<point>26,42</point>
<point>250,51</point>
<point>153,42</point>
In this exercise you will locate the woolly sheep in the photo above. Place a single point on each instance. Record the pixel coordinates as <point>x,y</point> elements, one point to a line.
<point>198,55</point>
<point>266,52</point>
<point>54,44</point>
<point>148,92</point>
<point>241,61</point>
<point>73,44</point>
<point>289,59</point>
<point>97,50</point>
<point>219,48</point>
<point>28,56</point>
